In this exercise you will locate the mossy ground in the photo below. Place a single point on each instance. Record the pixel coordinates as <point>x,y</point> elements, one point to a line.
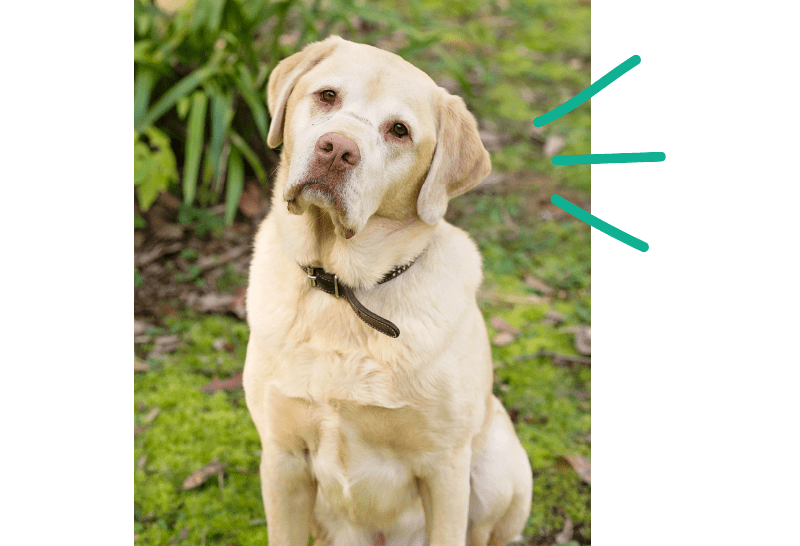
<point>513,60</point>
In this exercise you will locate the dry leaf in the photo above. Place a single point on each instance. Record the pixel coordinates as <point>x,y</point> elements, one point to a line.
<point>207,262</point>
<point>164,345</point>
<point>565,535</point>
<point>501,324</point>
<point>491,140</point>
<point>492,180</point>
<point>213,302</point>
<point>502,338</point>
<point>553,317</point>
<point>138,239</point>
<point>231,384</point>
<point>140,365</point>
<point>583,339</point>
<point>581,465</point>
<point>199,477</point>
<point>138,429</point>
<point>538,284</point>
<point>553,144</point>
<point>511,298</point>
<point>140,327</point>
<point>250,203</point>
<point>237,306</point>
<point>151,416</point>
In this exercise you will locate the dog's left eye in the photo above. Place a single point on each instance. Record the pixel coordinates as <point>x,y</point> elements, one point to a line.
<point>399,130</point>
<point>328,95</point>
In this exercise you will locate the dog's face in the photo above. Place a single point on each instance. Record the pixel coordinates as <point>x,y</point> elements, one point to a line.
<point>366,133</point>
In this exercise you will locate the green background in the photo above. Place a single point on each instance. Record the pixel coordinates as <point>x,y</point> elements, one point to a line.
<point>695,351</point>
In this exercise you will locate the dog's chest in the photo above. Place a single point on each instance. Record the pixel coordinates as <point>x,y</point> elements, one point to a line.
<point>359,455</point>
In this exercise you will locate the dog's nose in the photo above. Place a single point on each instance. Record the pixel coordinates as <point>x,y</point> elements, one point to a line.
<point>343,152</point>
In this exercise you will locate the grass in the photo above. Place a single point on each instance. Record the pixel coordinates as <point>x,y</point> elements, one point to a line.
<point>512,60</point>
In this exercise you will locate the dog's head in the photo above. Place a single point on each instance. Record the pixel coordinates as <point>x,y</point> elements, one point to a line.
<point>366,133</point>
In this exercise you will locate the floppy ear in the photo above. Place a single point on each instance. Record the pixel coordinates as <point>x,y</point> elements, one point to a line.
<point>285,76</point>
<point>459,162</point>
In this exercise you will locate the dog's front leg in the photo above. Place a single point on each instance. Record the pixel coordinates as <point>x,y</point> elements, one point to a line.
<point>289,491</point>
<point>444,488</point>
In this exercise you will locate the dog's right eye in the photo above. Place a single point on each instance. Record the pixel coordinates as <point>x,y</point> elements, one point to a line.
<point>328,96</point>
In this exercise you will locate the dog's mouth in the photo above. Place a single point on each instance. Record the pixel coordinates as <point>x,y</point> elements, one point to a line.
<point>319,192</point>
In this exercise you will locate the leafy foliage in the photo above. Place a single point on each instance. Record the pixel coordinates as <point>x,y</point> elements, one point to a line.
<point>154,165</point>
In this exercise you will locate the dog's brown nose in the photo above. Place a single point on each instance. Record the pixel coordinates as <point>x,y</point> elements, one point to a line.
<point>343,152</point>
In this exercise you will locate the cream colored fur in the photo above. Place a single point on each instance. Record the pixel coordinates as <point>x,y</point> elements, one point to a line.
<point>366,439</point>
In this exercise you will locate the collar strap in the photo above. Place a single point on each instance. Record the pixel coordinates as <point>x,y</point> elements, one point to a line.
<point>329,282</point>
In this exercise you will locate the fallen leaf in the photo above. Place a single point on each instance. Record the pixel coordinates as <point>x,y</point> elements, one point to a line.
<point>140,365</point>
<point>138,239</point>
<point>213,302</point>
<point>251,203</point>
<point>502,338</point>
<point>141,461</point>
<point>501,324</point>
<point>151,416</point>
<point>171,231</point>
<point>138,429</point>
<point>169,200</point>
<point>539,284</point>
<point>164,345</point>
<point>553,317</point>
<point>553,144</point>
<point>237,306</point>
<point>583,340</point>
<point>199,477</point>
<point>511,298</point>
<point>451,85</point>
<point>158,250</point>
<point>231,384</point>
<point>565,535</point>
<point>490,139</point>
<point>206,262</point>
<point>140,327</point>
<point>581,465</point>
<point>492,180</point>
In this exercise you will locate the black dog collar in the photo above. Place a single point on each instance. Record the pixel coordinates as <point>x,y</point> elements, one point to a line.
<point>329,282</point>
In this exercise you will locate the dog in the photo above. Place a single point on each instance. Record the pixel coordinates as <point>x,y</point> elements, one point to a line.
<point>368,372</point>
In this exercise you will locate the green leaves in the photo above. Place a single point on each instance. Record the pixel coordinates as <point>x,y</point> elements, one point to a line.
<point>168,100</point>
<point>153,165</point>
<point>235,184</point>
<point>194,144</point>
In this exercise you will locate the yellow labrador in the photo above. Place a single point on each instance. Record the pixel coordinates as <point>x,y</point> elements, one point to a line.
<point>368,371</point>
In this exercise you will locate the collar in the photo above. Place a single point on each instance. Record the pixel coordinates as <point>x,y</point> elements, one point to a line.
<point>329,282</point>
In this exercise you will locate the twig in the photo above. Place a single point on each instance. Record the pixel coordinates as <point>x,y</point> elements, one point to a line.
<point>156,252</point>
<point>555,356</point>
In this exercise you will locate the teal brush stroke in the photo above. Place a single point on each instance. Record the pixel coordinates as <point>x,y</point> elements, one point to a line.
<point>593,159</point>
<point>597,223</point>
<point>587,93</point>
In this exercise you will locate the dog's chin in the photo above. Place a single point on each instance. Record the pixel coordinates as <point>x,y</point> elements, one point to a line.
<point>316,198</point>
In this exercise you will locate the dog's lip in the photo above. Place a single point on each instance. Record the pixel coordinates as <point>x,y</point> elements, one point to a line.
<point>317,192</point>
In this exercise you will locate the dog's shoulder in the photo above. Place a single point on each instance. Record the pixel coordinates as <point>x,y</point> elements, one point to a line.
<point>453,257</point>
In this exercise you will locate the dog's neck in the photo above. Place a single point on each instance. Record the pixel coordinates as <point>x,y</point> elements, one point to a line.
<point>361,261</point>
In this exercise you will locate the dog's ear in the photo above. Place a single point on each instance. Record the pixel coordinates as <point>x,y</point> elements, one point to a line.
<point>459,162</point>
<point>285,76</point>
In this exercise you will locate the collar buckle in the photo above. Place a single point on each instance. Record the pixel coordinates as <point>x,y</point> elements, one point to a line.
<point>311,276</point>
